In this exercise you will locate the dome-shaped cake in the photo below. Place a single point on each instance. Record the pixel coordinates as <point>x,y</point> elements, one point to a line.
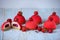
<point>19,18</point>
<point>16,25</point>
<point>49,25</point>
<point>36,18</point>
<point>55,17</point>
<point>6,26</point>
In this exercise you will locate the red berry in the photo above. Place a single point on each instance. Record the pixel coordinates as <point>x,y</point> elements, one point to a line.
<point>54,13</point>
<point>24,29</point>
<point>39,28</point>
<point>36,13</point>
<point>50,31</point>
<point>19,13</point>
<point>43,30</point>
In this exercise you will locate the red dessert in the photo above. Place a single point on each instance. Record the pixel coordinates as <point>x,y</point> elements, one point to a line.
<point>36,18</point>
<point>55,17</point>
<point>16,25</point>
<point>19,18</point>
<point>50,24</point>
<point>5,26</point>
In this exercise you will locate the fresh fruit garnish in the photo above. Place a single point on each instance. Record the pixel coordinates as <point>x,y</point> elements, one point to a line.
<point>50,31</point>
<point>39,28</point>
<point>24,29</point>
<point>43,30</point>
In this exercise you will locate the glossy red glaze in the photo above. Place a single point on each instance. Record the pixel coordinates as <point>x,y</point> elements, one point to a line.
<point>36,18</point>
<point>55,17</point>
<point>19,18</point>
<point>31,25</point>
<point>50,24</point>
